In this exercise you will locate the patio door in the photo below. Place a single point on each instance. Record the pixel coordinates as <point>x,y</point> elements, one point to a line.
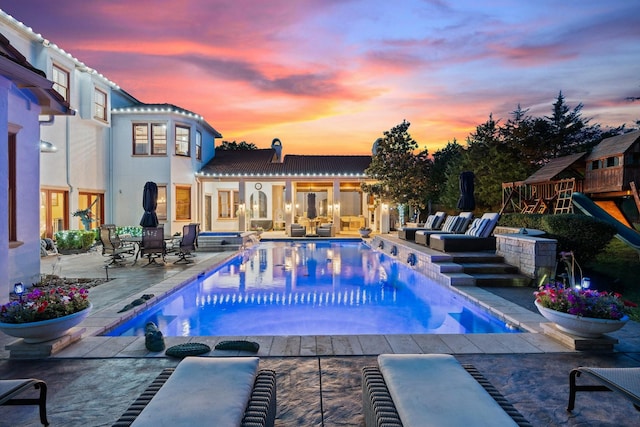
<point>54,209</point>
<point>94,201</point>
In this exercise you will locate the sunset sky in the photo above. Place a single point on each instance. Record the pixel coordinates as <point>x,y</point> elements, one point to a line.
<point>330,76</point>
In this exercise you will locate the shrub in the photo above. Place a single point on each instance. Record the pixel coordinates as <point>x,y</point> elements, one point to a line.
<point>521,220</point>
<point>75,239</point>
<point>586,236</point>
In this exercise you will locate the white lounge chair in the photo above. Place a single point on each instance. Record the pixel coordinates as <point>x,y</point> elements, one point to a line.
<point>11,388</point>
<point>624,381</point>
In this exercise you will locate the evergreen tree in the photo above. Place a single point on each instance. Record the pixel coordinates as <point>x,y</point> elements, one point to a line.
<point>237,146</point>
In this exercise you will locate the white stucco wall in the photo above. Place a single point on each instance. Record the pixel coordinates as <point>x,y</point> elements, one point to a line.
<point>22,262</point>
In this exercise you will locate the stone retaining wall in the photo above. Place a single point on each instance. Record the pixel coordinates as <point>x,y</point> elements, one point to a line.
<point>534,256</point>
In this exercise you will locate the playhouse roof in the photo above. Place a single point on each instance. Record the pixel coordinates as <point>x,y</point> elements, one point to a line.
<point>613,146</point>
<point>553,168</point>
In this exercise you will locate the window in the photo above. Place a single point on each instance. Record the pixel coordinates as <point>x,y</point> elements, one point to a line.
<point>141,141</point>
<point>161,208</point>
<point>228,204</point>
<point>60,78</point>
<point>158,138</point>
<point>612,161</point>
<point>94,201</point>
<point>182,140</point>
<point>183,203</point>
<point>595,165</point>
<point>13,209</point>
<point>100,105</point>
<point>198,145</point>
<point>259,205</point>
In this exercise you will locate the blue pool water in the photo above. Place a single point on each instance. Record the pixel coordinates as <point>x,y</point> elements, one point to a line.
<point>313,288</point>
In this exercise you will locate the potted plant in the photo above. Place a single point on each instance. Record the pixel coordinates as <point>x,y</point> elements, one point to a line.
<point>364,231</point>
<point>43,315</point>
<point>582,312</point>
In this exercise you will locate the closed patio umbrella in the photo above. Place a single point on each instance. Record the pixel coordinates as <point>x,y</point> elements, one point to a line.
<point>467,201</point>
<point>149,204</point>
<point>311,206</point>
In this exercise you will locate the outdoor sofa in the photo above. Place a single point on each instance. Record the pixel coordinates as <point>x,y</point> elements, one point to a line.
<point>211,391</point>
<point>452,225</point>
<point>433,222</point>
<point>478,237</point>
<point>432,390</point>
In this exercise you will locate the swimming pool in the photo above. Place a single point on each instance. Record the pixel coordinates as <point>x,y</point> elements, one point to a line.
<point>313,288</point>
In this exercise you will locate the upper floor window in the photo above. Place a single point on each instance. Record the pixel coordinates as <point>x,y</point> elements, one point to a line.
<point>100,105</point>
<point>198,145</point>
<point>183,136</point>
<point>149,138</point>
<point>60,78</point>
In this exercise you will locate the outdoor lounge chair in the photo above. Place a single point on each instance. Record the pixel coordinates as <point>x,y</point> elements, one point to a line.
<point>207,391</point>
<point>325,230</point>
<point>477,238</point>
<point>187,244</point>
<point>432,389</point>
<point>112,246</point>
<point>625,381</point>
<point>297,230</point>
<point>433,222</point>
<point>11,388</point>
<point>452,225</point>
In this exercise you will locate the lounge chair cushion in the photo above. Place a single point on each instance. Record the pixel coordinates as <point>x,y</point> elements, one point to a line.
<point>203,391</point>
<point>435,390</point>
<point>477,227</point>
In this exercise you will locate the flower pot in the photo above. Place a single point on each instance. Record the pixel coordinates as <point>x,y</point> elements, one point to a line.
<point>586,327</point>
<point>44,330</point>
<point>364,233</point>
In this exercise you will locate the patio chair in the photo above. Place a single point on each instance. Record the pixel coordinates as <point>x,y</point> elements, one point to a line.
<point>432,389</point>
<point>153,245</point>
<point>187,244</point>
<point>112,246</point>
<point>11,388</point>
<point>625,381</point>
<point>297,230</point>
<point>478,237</point>
<point>433,222</point>
<point>325,230</point>
<point>212,391</point>
<point>457,224</point>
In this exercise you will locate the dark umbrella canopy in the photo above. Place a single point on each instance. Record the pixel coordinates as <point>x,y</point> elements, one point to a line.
<point>149,204</point>
<point>467,201</point>
<point>311,206</point>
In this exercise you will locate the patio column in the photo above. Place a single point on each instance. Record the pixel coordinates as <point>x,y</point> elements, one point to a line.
<point>289,204</point>
<point>242,219</point>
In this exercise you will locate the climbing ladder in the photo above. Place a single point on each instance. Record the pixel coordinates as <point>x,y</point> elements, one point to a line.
<point>565,193</point>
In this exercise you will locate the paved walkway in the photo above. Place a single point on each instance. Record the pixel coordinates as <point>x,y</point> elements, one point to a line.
<point>93,381</point>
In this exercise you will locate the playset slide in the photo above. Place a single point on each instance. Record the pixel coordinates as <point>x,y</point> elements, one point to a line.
<point>627,235</point>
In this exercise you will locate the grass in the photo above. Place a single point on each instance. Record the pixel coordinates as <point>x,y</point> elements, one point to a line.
<point>617,268</point>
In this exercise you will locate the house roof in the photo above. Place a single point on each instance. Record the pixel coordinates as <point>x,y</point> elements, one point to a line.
<point>553,168</point>
<point>263,162</point>
<point>613,146</point>
<point>15,66</point>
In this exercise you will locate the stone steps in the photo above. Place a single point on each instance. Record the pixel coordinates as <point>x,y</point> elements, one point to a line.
<point>485,269</point>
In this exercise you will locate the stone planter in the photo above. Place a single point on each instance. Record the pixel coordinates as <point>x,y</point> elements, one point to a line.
<point>45,330</point>
<point>364,233</point>
<point>586,327</point>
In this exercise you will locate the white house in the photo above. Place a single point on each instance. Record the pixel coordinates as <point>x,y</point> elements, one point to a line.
<point>26,97</point>
<point>102,156</point>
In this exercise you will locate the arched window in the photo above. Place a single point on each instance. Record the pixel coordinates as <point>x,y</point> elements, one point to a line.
<point>259,206</point>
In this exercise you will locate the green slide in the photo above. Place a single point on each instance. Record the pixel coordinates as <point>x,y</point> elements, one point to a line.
<point>624,233</point>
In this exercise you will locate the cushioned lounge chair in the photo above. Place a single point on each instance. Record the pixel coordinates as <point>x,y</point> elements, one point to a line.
<point>11,388</point>
<point>478,237</point>
<point>433,222</point>
<point>325,230</point>
<point>297,230</point>
<point>207,391</point>
<point>452,225</point>
<point>625,381</point>
<point>432,389</point>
